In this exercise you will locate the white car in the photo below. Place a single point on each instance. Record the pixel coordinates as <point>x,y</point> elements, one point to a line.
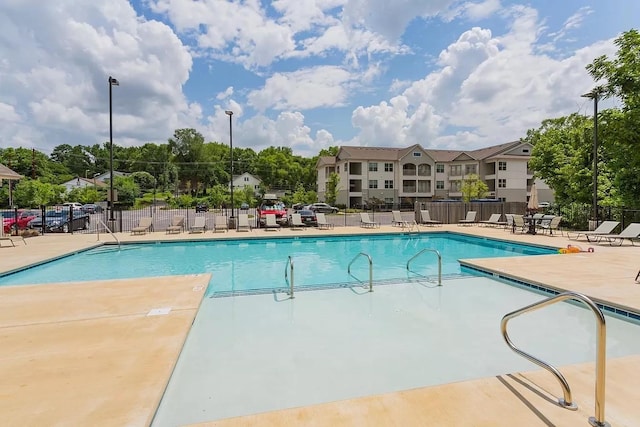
<point>73,205</point>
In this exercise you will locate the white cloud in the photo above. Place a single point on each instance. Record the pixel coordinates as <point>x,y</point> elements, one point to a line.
<point>324,86</point>
<point>60,59</point>
<point>226,94</point>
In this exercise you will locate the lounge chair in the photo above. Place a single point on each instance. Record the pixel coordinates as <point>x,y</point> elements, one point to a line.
<point>144,226</point>
<point>425,218</point>
<point>365,222</point>
<point>177,224</point>
<point>519,225</point>
<point>470,219</point>
<point>270,223</point>
<point>199,225</point>
<point>296,222</point>
<point>631,233</point>
<point>322,222</point>
<point>605,228</point>
<point>493,221</point>
<point>397,219</point>
<point>9,238</point>
<point>554,224</point>
<point>243,223</point>
<point>220,223</point>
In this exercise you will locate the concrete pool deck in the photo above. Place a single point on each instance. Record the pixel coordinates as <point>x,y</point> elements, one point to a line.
<point>32,316</point>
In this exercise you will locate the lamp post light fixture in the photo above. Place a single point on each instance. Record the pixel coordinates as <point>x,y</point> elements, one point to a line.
<point>112,82</point>
<point>595,94</point>
<point>230,114</point>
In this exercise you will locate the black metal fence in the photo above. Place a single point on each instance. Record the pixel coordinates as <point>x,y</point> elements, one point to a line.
<point>574,216</point>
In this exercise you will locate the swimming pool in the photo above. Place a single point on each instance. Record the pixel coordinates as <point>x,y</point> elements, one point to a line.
<point>257,353</point>
<point>259,264</point>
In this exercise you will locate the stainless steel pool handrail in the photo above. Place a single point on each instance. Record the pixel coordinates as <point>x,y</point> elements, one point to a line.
<point>370,269</point>
<point>286,278</point>
<point>435,251</point>
<point>601,353</point>
<point>109,230</point>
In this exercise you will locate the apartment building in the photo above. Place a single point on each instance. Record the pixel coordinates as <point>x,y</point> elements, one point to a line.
<point>407,175</point>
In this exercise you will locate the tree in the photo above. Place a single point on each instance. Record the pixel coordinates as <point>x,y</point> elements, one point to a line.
<point>144,180</point>
<point>34,193</point>
<point>473,188</point>
<point>331,192</point>
<point>247,195</point>
<point>127,189</point>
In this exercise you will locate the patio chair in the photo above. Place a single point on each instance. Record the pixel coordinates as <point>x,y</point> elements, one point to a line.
<point>243,223</point>
<point>199,225</point>
<point>493,221</point>
<point>220,223</point>
<point>631,233</point>
<point>519,225</point>
<point>144,226</point>
<point>9,238</point>
<point>177,224</point>
<point>397,220</point>
<point>425,218</point>
<point>270,223</point>
<point>554,224</point>
<point>296,222</point>
<point>470,219</point>
<point>605,228</point>
<point>322,222</point>
<point>365,222</point>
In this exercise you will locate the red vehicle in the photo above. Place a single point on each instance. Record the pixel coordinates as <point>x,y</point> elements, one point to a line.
<point>9,221</point>
<point>271,205</point>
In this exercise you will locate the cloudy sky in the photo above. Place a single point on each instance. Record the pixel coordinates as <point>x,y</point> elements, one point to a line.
<point>306,74</point>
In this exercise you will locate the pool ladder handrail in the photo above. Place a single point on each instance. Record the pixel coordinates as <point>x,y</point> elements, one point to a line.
<point>110,232</point>
<point>370,269</point>
<point>286,278</point>
<point>435,251</point>
<point>601,353</point>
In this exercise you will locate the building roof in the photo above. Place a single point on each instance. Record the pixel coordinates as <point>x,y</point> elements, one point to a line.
<point>325,161</point>
<point>389,153</point>
<point>6,173</point>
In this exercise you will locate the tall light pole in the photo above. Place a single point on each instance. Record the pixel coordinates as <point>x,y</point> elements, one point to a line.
<point>595,95</point>
<point>112,82</point>
<point>230,114</point>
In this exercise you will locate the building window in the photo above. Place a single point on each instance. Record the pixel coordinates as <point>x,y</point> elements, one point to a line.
<point>424,169</point>
<point>424,186</point>
<point>502,166</point>
<point>440,168</point>
<point>417,154</point>
<point>388,200</point>
<point>469,169</point>
<point>388,183</point>
<point>409,169</point>
<point>373,183</point>
<point>456,170</point>
<point>439,185</point>
<point>502,183</point>
<point>373,167</point>
<point>455,186</point>
<point>388,167</point>
<point>246,179</point>
<point>337,169</point>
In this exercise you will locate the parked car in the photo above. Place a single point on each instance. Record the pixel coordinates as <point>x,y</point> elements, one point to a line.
<point>91,208</point>
<point>323,208</point>
<point>272,205</point>
<point>57,221</point>
<point>308,218</point>
<point>244,206</point>
<point>74,205</point>
<point>10,224</point>
<point>202,207</point>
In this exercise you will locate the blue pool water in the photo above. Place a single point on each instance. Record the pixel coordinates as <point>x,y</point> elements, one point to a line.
<point>242,265</point>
